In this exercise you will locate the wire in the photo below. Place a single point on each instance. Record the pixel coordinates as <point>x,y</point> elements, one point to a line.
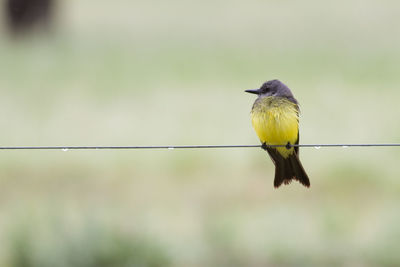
<point>66,148</point>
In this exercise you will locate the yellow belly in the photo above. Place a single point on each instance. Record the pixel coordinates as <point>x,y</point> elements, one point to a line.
<point>276,122</point>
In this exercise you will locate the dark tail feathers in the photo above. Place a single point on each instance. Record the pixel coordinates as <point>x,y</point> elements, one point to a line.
<point>287,169</point>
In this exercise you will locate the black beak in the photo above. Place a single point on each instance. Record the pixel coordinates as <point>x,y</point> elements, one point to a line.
<point>253,91</point>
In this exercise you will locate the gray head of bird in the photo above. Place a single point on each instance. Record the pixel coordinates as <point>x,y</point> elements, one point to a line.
<point>272,88</point>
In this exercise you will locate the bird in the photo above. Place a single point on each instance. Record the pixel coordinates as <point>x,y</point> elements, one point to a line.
<point>275,119</point>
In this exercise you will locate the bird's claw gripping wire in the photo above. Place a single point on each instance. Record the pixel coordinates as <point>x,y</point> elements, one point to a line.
<point>288,145</point>
<point>264,146</point>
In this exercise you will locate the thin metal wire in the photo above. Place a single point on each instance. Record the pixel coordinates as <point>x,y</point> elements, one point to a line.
<point>65,148</point>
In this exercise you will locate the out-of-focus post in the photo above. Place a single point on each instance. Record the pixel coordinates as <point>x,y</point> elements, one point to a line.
<point>25,15</point>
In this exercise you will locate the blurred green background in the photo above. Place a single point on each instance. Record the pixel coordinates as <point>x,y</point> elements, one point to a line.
<point>173,72</point>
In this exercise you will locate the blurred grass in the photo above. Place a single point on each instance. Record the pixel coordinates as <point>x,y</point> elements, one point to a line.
<point>139,73</point>
<point>51,242</point>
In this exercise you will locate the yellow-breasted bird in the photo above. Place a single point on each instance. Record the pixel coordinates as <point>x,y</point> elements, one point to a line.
<point>275,118</point>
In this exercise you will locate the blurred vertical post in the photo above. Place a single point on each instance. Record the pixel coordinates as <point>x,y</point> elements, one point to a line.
<point>26,15</point>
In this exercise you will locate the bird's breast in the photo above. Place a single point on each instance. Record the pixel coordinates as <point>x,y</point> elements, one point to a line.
<point>275,120</point>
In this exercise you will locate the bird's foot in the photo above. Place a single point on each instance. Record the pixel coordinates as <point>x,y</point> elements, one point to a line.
<point>288,145</point>
<point>264,146</point>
